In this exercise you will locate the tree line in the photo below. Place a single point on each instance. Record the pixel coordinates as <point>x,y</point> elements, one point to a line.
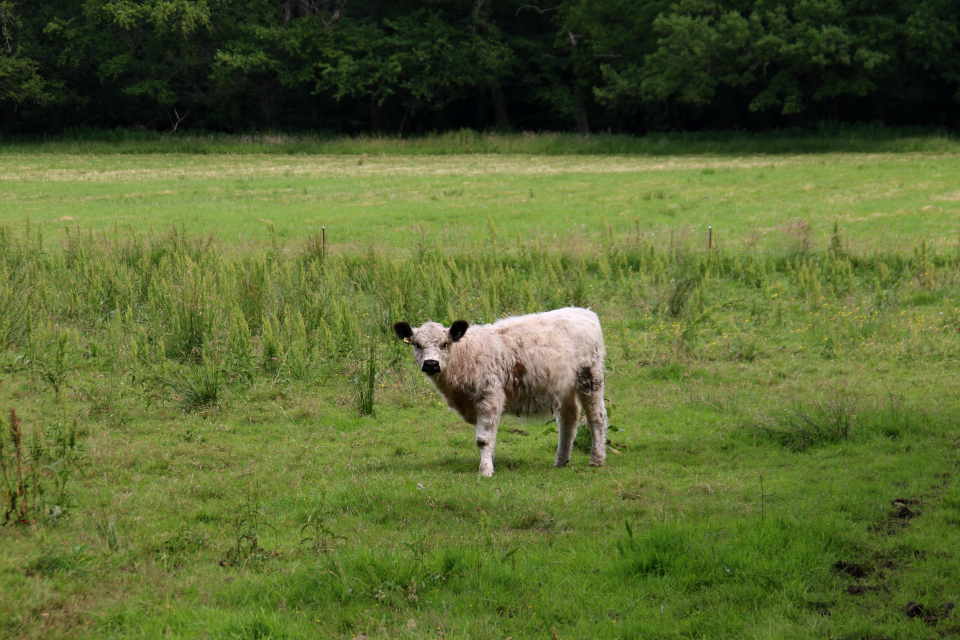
<point>408,66</point>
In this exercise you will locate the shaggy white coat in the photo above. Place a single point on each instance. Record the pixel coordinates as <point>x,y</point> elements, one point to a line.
<point>526,365</point>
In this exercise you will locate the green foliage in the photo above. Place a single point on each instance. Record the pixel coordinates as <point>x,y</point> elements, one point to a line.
<point>21,79</point>
<point>580,65</point>
<point>778,58</point>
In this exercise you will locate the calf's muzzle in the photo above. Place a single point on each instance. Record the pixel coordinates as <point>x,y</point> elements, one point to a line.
<point>430,367</point>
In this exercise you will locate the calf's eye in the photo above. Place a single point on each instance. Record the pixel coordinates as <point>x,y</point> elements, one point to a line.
<point>445,345</point>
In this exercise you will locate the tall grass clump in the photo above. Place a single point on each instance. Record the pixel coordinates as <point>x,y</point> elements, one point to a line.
<point>193,388</point>
<point>50,356</point>
<point>808,424</point>
<point>249,524</point>
<point>896,418</point>
<point>36,469</point>
<point>366,383</point>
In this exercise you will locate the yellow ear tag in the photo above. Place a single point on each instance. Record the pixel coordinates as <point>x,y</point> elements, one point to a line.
<point>407,340</point>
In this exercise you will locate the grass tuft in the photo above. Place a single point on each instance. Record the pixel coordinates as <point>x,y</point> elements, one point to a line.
<point>36,469</point>
<point>193,388</point>
<point>804,425</point>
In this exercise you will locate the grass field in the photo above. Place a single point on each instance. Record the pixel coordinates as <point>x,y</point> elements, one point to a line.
<point>218,436</point>
<point>883,201</point>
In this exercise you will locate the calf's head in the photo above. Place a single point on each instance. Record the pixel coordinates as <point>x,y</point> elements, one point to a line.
<point>431,343</point>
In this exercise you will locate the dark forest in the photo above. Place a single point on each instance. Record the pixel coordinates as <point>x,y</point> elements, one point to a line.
<point>407,67</point>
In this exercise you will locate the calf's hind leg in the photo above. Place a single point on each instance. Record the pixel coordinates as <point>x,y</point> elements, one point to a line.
<point>590,391</point>
<point>596,413</point>
<point>567,420</point>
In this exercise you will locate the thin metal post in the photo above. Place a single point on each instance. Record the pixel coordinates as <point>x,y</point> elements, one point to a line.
<point>710,237</point>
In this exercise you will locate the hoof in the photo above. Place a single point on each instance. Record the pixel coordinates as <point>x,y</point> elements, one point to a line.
<point>486,473</point>
<point>596,463</point>
<point>560,463</point>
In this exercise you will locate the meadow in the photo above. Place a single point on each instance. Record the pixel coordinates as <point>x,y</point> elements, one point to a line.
<point>209,430</point>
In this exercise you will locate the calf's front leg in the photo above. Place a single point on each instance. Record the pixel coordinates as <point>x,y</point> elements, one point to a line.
<point>486,441</point>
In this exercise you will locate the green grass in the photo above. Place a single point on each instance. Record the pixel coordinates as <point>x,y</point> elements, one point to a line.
<point>883,202</point>
<point>214,464</point>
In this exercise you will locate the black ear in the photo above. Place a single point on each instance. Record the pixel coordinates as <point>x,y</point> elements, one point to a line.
<point>457,329</point>
<point>403,331</point>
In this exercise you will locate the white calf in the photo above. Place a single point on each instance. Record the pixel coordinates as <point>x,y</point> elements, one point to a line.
<point>526,365</point>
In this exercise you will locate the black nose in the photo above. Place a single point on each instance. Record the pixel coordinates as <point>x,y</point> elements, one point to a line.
<point>430,367</point>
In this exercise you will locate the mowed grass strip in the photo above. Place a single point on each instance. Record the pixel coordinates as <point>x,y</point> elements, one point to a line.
<point>784,426</point>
